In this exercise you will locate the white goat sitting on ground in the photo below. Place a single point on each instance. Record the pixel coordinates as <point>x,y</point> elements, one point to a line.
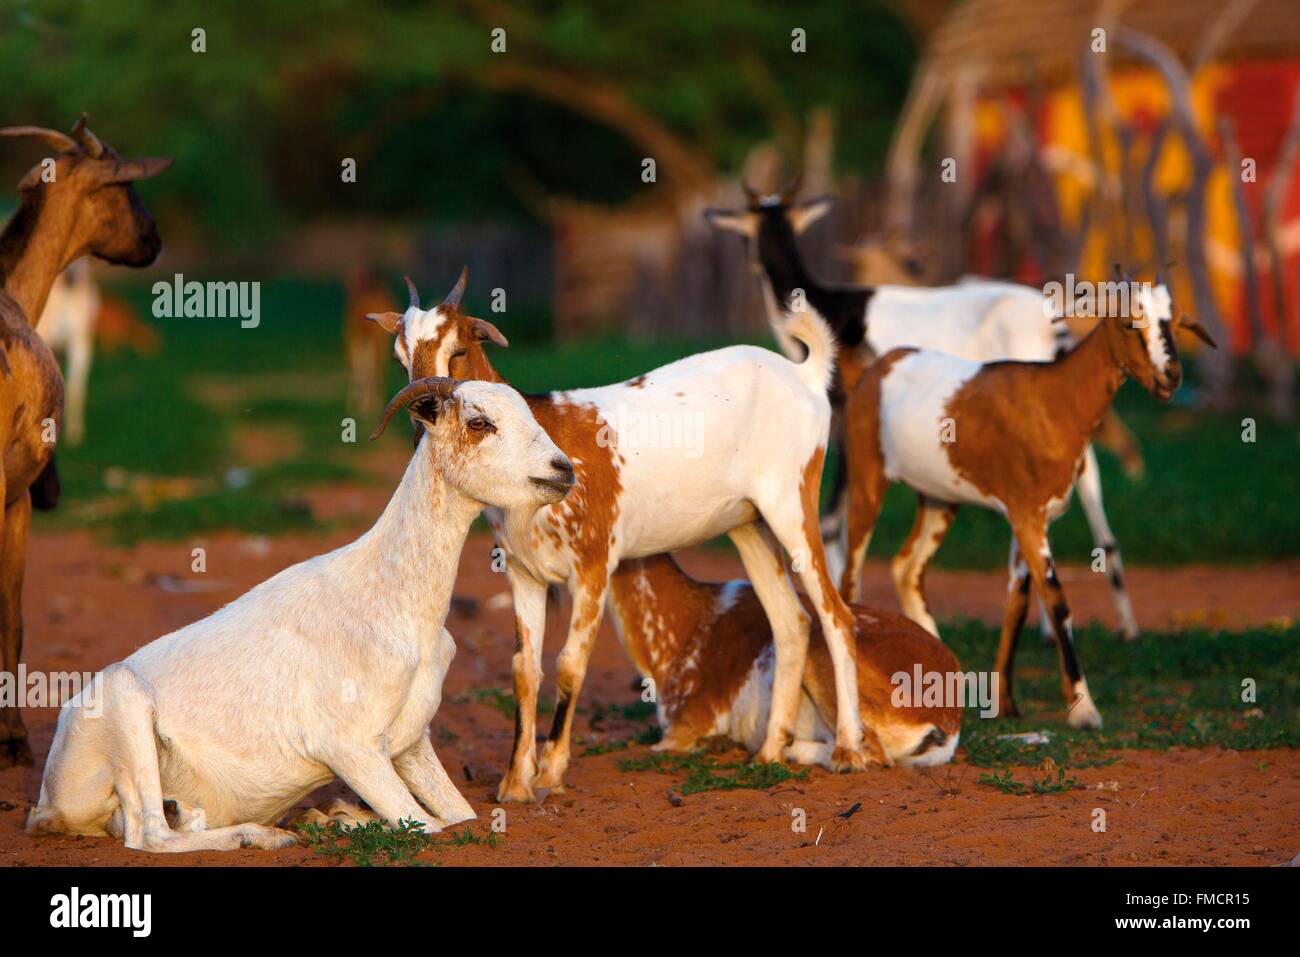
<point>68,325</point>
<point>334,667</point>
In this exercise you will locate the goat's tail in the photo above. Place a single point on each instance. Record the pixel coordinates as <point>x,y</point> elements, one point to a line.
<point>807,327</point>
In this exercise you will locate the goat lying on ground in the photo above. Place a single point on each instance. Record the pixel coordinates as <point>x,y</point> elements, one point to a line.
<point>68,325</point>
<point>708,648</point>
<point>982,320</point>
<point>1010,436</point>
<point>703,447</point>
<point>87,205</point>
<point>333,667</point>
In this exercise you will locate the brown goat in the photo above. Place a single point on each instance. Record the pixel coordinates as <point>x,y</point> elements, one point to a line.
<point>1008,436</point>
<point>366,345</point>
<point>81,202</point>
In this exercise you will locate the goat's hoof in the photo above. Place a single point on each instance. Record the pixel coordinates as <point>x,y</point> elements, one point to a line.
<point>1127,636</point>
<point>267,838</point>
<point>1084,715</point>
<point>15,753</point>
<point>844,760</point>
<point>513,791</point>
<point>550,778</point>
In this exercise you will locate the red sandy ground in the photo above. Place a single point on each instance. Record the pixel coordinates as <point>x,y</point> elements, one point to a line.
<point>89,605</point>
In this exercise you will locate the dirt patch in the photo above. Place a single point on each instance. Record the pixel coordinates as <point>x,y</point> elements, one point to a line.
<point>89,605</point>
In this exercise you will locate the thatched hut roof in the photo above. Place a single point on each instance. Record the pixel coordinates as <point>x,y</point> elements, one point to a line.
<point>1015,42</point>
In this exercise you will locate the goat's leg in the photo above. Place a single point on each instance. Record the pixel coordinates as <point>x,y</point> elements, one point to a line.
<point>765,566</point>
<point>1088,486</point>
<point>835,519</point>
<point>530,629</point>
<point>792,515</point>
<point>865,495</point>
<point>1031,535</point>
<point>1013,620</point>
<point>140,819</point>
<point>370,772</point>
<point>933,519</point>
<point>570,671</point>
<point>14,748</point>
<point>419,768</point>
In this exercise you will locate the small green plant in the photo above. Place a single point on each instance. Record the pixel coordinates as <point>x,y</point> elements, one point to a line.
<point>367,845</point>
<point>1046,783</point>
<point>704,773</point>
<point>1004,781</point>
<point>468,837</point>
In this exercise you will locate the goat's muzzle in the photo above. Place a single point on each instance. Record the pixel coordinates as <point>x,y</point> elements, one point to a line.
<point>436,385</point>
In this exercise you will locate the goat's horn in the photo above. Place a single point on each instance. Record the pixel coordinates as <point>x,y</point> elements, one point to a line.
<point>415,293</point>
<point>60,141</point>
<point>751,194</point>
<point>438,385</point>
<point>791,188</point>
<point>1196,329</point>
<point>457,291</point>
<point>81,133</point>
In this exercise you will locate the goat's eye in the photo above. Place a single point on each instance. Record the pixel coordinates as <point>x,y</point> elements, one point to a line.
<point>479,424</point>
<point>459,355</point>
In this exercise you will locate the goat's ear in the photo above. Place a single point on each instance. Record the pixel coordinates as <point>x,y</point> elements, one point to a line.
<point>484,330</point>
<point>808,212</point>
<point>425,411</point>
<point>390,322</point>
<point>733,221</point>
<point>113,170</point>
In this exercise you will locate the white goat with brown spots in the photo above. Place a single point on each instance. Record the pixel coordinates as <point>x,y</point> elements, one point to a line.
<point>703,447</point>
<point>334,667</point>
<point>1008,436</point>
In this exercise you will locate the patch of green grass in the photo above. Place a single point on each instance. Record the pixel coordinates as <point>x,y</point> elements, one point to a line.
<point>1182,689</point>
<point>368,845</point>
<point>705,773</point>
<point>504,701</point>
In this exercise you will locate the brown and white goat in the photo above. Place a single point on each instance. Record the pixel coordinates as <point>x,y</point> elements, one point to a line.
<point>760,424</point>
<point>708,649</point>
<point>82,203</point>
<point>1009,436</point>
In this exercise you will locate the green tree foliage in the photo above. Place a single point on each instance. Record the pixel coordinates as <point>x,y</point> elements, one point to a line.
<point>440,125</point>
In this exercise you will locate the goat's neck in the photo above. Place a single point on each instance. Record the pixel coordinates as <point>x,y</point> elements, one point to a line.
<point>1083,382</point>
<point>33,251</point>
<point>657,608</point>
<point>413,550</point>
<point>781,272</point>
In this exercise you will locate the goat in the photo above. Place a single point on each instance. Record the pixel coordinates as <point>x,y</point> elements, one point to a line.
<point>708,649</point>
<point>364,343</point>
<point>333,667</point>
<point>981,320</point>
<point>763,421</point>
<point>1009,436</point>
<point>68,325</point>
<point>87,206</point>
